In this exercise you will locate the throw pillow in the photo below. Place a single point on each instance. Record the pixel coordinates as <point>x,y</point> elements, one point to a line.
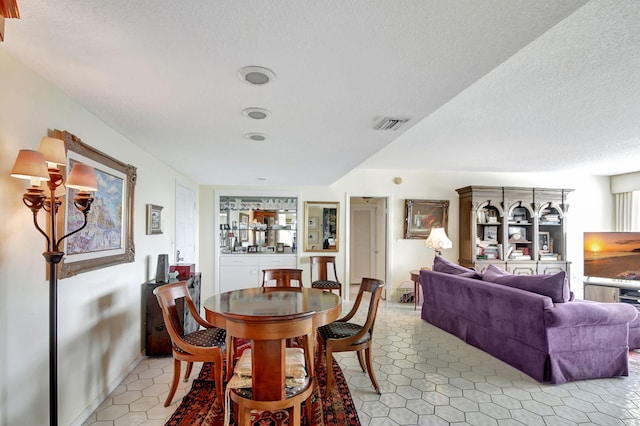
<point>554,286</point>
<point>440,264</point>
<point>492,272</point>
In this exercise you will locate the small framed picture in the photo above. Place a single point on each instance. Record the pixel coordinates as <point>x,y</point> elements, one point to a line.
<point>154,219</point>
<point>313,222</point>
<point>253,249</point>
<point>544,244</point>
<point>490,233</point>
<point>271,249</point>
<point>280,248</point>
<point>313,237</point>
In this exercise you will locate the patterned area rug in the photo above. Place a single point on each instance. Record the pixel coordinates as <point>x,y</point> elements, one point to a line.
<point>197,407</point>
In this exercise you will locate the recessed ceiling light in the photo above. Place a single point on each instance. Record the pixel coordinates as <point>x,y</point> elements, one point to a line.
<point>256,136</point>
<point>257,113</point>
<point>256,75</point>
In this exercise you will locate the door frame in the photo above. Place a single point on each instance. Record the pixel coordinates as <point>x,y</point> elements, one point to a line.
<point>388,217</point>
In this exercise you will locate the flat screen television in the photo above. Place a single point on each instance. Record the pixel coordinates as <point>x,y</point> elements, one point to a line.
<point>614,255</point>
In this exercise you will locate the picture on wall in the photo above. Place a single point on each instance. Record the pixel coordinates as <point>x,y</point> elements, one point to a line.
<point>154,219</point>
<point>108,237</point>
<point>423,215</point>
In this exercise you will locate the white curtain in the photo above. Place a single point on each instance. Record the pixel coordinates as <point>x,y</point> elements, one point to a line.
<point>627,211</point>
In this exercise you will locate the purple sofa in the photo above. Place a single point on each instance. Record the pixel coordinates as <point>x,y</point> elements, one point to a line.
<point>550,341</point>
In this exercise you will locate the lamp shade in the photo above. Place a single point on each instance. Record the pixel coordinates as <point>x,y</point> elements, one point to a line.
<point>438,239</point>
<point>82,178</point>
<point>30,165</point>
<point>54,151</point>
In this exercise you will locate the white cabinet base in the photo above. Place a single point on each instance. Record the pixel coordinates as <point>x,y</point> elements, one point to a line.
<point>239,271</point>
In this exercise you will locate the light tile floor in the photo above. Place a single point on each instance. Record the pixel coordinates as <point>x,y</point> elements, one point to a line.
<point>427,377</point>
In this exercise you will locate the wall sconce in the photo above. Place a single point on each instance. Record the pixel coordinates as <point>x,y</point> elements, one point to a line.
<point>438,240</point>
<point>40,166</point>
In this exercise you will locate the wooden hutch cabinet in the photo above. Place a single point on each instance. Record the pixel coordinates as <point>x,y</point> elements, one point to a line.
<point>520,230</point>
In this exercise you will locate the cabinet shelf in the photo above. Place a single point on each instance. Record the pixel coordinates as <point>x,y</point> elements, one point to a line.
<point>536,217</point>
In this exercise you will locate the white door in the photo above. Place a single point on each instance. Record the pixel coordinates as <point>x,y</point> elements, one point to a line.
<point>363,242</point>
<point>185,225</point>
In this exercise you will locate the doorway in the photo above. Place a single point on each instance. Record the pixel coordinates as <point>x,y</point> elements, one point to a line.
<point>185,224</point>
<point>368,238</point>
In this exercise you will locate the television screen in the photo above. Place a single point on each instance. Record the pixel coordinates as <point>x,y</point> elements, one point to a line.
<point>613,255</point>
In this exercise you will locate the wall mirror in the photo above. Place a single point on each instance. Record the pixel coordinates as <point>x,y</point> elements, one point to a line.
<point>258,224</point>
<point>321,225</point>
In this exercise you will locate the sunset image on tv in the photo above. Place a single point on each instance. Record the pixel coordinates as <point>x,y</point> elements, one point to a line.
<point>612,255</point>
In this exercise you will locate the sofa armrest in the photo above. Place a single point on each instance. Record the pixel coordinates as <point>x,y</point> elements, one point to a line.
<point>578,313</point>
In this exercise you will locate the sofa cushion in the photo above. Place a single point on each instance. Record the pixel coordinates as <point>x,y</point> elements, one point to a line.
<point>554,286</point>
<point>491,272</point>
<point>440,264</point>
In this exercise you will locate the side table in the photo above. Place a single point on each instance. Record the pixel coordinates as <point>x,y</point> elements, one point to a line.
<point>415,277</point>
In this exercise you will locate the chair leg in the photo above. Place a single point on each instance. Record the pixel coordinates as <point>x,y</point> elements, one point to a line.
<point>244,414</point>
<point>361,361</point>
<point>231,353</point>
<point>188,372</point>
<point>308,405</point>
<point>372,376</point>
<point>295,415</point>
<point>218,378</point>
<point>174,384</point>
<point>329,356</point>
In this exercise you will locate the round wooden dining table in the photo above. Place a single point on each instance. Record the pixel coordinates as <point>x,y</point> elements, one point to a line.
<point>271,303</point>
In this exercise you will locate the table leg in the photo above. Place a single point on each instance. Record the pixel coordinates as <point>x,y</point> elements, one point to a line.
<point>268,366</point>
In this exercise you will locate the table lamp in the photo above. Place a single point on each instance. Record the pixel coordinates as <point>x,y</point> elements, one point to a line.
<point>438,240</point>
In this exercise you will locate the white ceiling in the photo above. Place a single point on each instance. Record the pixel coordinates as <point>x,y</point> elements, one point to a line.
<point>489,85</point>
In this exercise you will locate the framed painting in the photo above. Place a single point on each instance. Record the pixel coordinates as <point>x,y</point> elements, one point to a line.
<point>154,219</point>
<point>108,237</point>
<point>423,215</point>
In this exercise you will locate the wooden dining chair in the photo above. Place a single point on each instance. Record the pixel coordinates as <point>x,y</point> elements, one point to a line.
<point>321,264</point>
<point>343,336</point>
<point>282,277</point>
<point>277,381</point>
<point>204,345</point>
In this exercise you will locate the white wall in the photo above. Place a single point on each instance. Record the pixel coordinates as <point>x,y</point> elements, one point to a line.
<point>590,210</point>
<point>99,325</point>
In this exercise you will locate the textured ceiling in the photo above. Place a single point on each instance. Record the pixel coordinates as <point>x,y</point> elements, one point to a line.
<point>489,85</point>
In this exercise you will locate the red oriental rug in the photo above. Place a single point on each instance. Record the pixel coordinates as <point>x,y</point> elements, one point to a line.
<point>197,407</point>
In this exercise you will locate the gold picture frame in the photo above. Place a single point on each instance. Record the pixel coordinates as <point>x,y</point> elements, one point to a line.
<point>423,215</point>
<point>116,186</point>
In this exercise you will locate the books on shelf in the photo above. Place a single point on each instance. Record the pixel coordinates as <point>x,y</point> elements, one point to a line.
<point>548,256</point>
<point>488,251</point>
<point>521,257</point>
<point>549,218</point>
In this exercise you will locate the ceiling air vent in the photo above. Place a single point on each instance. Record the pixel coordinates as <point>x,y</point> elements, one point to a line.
<point>391,123</point>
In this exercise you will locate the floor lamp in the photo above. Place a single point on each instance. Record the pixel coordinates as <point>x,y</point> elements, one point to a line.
<point>39,166</point>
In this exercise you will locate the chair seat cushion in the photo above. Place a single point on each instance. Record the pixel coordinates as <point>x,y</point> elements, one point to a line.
<point>342,330</point>
<point>208,338</point>
<point>325,284</point>
<point>294,363</point>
